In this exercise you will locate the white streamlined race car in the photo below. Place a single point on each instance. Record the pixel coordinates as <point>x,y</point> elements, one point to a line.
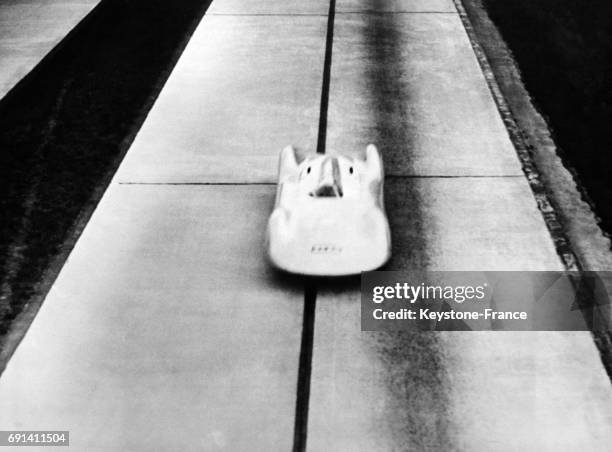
<point>329,217</point>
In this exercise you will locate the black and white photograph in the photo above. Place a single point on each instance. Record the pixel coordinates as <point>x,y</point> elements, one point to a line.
<point>306,226</point>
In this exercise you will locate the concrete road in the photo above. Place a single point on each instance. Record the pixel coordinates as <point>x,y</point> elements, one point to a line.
<point>457,200</point>
<point>166,329</point>
<point>30,29</point>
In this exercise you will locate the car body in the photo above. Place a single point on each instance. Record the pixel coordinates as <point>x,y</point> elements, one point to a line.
<point>329,218</point>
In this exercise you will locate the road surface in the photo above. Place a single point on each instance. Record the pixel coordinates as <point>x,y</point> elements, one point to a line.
<point>167,330</point>
<point>30,29</point>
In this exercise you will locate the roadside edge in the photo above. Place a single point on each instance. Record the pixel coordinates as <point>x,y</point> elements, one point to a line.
<point>572,222</point>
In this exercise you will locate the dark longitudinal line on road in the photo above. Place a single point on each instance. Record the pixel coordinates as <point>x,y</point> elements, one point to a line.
<point>300,431</point>
<point>329,41</point>
<point>305,367</point>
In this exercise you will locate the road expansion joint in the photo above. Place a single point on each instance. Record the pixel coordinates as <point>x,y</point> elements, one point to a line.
<point>310,284</point>
<point>267,14</point>
<point>453,176</point>
<point>300,432</point>
<point>238,184</point>
<point>391,13</point>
